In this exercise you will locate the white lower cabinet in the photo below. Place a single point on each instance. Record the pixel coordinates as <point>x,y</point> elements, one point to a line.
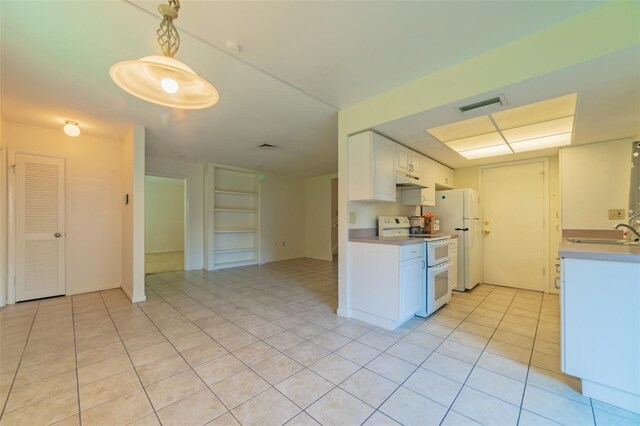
<point>600,328</point>
<point>386,283</point>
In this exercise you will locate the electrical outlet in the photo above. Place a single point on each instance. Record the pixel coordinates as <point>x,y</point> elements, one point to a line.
<point>616,214</point>
<point>352,217</point>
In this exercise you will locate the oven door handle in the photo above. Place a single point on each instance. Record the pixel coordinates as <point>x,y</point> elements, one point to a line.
<point>441,267</point>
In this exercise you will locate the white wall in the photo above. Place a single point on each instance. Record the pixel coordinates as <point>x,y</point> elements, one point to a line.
<point>3,217</point>
<point>282,218</point>
<point>133,214</point>
<point>317,218</point>
<point>594,178</point>
<point>367,213</point>
<point>164,214</point>
<point>194,174</point>
<point>93,201</point>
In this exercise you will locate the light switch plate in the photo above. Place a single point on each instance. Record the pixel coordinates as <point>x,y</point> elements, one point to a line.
<point>352,217</point>
<point>616,214</point>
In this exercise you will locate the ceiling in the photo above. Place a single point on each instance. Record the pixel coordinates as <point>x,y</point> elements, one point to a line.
<point>299,63</point>
<point>607,109</point>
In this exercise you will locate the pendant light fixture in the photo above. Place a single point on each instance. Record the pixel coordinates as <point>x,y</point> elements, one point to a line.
<point>165,80</point>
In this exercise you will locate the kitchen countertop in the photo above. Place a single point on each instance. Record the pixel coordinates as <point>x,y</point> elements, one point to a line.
<point>595,251</point>
<point>396,241</point>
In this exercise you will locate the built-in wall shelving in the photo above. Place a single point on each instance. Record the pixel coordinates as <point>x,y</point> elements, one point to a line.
<point>236,223</point>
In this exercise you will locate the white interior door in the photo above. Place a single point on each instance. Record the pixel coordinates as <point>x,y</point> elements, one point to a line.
<point>39,227</point>
<point>513,217</point>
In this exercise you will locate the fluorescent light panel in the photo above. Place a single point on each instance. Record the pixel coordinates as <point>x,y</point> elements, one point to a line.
<point>489,151</point>
<point>476,142</point>
<point>539,130</point>
<point>539,125</point>
<point>563,139</point>
<point>563,106</point>
<point>463,129</point>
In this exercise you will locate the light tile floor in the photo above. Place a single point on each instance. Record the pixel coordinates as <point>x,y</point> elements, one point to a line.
<point>262,346</point>
<point>170,261</point>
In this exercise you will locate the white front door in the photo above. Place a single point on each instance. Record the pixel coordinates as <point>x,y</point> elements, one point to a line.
<point>39,227</point>
<point>513,217</point>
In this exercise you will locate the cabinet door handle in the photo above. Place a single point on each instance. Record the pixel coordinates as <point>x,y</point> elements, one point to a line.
<point>424,264</point>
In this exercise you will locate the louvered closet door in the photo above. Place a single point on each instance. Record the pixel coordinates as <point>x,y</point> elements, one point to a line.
<point>40,232</point>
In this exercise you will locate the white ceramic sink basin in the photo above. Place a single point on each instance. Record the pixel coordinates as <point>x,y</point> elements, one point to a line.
<point>603,241</point>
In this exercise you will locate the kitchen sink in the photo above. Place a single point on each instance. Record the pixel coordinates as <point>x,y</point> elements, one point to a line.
<point>603,241</point>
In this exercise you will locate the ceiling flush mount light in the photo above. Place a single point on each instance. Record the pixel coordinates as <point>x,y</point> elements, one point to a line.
<point>71,128</point>
<point>546,124</point>
<point>165,80</point>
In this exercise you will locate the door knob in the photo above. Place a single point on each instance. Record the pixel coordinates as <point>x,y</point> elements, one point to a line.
<point>487,231</point>
<point>57,235</point>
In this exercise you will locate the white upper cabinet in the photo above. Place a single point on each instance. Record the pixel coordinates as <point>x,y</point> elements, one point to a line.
<point>419,197</point>
<point>440,175</point>
<point>372,168</point>
<point>409,161</point>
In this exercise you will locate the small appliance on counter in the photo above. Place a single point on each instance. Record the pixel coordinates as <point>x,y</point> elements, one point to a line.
<point>417,225</point>
<point>425,225</point>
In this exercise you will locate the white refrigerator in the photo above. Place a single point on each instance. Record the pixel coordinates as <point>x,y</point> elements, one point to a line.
<point>459,213</point>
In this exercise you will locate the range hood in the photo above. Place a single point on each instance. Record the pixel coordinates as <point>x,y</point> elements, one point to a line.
<point>405,180</point>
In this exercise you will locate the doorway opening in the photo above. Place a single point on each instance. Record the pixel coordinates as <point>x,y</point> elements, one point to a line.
<point>334,219</point>
<point>164,224</point>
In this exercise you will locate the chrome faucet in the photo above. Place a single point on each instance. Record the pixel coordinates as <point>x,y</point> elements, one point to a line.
<point>631,228</point>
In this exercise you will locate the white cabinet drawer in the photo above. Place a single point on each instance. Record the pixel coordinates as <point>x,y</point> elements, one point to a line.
<point>411,251</point>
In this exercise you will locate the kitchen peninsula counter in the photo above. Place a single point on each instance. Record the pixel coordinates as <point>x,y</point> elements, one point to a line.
<point>596,251</point>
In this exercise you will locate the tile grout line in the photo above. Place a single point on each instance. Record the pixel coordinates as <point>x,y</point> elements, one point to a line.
<point>20,362</point>
<point>130,360</point>
<point>191,367</point>
<point>420,366</point>
<point>280,352</point>
<point>526,378</point>
<point>75,356</point>
<point>480,355</point>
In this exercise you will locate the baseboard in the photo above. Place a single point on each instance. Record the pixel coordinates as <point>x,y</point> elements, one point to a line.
<point>162,251</point>
<point>93,290</point>
<point>127,292</point>
<point>328,259</point>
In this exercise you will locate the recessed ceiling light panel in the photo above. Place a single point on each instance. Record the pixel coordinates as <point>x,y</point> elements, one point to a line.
<point>476,142</point>
<point>489,151</point>
<point>563,106</point>
<point>563,139</point>
<point>539,130</point>
<point>463,129</point>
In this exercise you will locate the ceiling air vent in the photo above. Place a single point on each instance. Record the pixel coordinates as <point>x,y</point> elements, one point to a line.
<point>497,100</point>
<point>266,146</point>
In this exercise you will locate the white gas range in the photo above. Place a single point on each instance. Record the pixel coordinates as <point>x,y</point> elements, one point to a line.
<point>437,291</point>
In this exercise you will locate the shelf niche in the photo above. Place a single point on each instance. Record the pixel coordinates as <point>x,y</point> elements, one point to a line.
<point>236,219</point>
